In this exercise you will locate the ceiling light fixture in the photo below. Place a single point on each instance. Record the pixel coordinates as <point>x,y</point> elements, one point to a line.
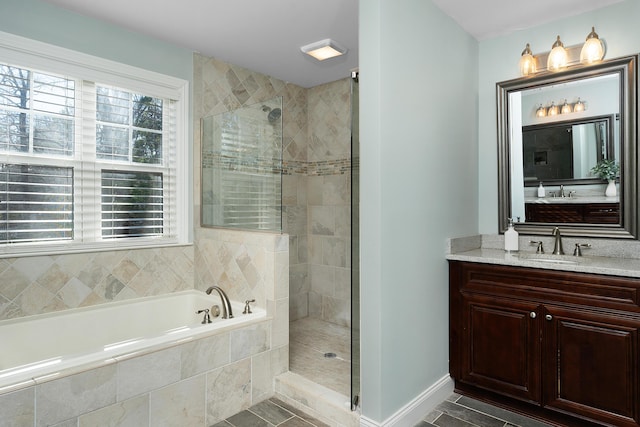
<point>558,57</point>
<point>593,49</point>
<point>324,49</point>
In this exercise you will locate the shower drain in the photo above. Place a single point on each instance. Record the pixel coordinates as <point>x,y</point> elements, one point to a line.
<point>330,355</point>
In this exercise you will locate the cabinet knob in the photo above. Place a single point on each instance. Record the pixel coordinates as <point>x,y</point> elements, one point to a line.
<point>548,317</point>
<point>533,314</point>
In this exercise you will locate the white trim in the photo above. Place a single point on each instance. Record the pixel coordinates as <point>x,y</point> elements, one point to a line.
<point>48,57</point>
<point>414,411</point>
<point>23,52</point>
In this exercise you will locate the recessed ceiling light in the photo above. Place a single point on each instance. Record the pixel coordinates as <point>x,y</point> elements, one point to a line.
<point>324,49</point>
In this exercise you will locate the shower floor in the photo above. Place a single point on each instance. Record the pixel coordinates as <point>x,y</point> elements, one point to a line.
<point>309,340</point>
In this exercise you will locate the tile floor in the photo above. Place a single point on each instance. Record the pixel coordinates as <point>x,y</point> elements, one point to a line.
<point>462,411</point>
<point>309,340</point>
<point>270,413</point>
<point>456,411</point>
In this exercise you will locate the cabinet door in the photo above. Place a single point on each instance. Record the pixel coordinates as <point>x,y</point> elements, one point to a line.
<point>590,365</point>
<point>501,346</point>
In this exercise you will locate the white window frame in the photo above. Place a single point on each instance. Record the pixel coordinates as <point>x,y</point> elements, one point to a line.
<point>20,51</point>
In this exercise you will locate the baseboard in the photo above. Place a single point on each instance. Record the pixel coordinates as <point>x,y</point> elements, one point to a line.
<point>414,411</point>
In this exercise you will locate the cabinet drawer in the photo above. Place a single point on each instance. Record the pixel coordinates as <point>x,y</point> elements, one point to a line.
<point>607,292</point>
<point>602,213</point>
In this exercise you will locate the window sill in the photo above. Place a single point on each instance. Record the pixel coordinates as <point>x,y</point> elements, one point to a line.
<point>26,250</point>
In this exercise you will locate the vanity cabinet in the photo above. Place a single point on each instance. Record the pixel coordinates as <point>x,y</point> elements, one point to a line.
<point>561,346</point>
<point>586,213</point>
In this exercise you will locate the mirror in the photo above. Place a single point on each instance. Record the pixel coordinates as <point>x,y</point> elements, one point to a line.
<point>559,150</point>
<point>565,152</point>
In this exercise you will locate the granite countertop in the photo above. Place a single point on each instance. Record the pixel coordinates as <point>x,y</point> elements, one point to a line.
<point>473,250</point>
<point>574,199</point>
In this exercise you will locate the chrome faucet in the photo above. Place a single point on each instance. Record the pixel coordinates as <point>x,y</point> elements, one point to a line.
<point>562,191</point>
<point>226,304</point>
<point>557,246</point>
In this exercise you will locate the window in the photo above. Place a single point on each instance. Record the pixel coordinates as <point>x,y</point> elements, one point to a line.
<point>90,157</point>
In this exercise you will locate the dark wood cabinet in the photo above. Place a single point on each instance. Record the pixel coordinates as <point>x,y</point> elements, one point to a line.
<point>557,345</point>
<point>584,213</point>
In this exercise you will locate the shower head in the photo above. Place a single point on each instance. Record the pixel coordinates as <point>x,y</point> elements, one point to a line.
<point>274,115</point>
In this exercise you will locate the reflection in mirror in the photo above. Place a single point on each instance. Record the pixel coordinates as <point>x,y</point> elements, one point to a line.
<point>565,152</point>
<point>546,156</point>
<point>242,168</point>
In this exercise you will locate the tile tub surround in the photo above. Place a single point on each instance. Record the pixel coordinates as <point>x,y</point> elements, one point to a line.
<point>606,256</point>
<point>196,383</point>
<point>48,283</point>
<point>203,381</point>
<point>33,348</point>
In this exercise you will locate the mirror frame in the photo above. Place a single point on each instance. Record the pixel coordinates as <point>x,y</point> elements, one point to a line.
<point>626,67</point>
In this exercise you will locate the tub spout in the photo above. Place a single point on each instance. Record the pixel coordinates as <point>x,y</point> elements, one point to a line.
<point>227,313</point>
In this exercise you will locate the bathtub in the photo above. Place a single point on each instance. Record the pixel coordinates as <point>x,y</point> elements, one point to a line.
<point>46,346</point>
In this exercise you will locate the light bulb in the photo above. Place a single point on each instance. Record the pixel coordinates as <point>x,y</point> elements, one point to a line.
<point>527,62</point>
<point>541,111</point>
<point>557,57</point>
<point>579,106</point>
<point>592,50</point>
<point>553,110</point>
<point>566,108</point>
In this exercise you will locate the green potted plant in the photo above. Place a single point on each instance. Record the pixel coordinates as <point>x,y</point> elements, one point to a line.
<point>607,169</point>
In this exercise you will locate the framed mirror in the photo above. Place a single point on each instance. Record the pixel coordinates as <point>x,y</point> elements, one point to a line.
<point>542,145</point>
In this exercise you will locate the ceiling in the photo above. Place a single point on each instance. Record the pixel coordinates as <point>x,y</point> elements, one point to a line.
<point>266,35</point>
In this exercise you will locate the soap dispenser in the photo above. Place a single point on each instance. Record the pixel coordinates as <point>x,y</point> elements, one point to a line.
<point>541,192</point>
<point>511,238</point>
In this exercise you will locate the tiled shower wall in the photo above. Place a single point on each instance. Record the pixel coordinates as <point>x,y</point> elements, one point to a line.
<point>329,202</point>
<point>316,180</point>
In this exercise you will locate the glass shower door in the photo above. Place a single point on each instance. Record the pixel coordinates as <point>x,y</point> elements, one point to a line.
<point>355,243</point>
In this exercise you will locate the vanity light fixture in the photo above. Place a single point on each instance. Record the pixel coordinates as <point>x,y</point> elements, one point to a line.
<point>553,110</point>
<point>323,49</point>
<point>541,111</point>
<point>566,108</point>
<point>527,62</point>
<point>593,49</point>
<point>558,57</point>
<point>579,106</point>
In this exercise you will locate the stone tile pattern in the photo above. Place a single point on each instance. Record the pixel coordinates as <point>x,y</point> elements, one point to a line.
<point>43,284</point>
<point>462,411</point>
<point>310,340</point>
<point>315,182</point>
<point>162,388</point>
<point>269,413</point>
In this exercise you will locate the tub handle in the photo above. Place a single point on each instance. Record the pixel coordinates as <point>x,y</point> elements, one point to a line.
<point>247,307</point>
<point>207,318</point>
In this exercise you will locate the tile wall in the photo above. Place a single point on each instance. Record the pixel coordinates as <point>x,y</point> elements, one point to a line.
<point>41,284</point>
<point>329,202</point>
<point>316,178</point>
<point>198,383</point>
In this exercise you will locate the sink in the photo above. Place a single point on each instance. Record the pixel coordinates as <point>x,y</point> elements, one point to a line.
<point>550,258</point>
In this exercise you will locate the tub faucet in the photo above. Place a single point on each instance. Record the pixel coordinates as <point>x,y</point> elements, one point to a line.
<point>557,246</point>
<point>227,313</point>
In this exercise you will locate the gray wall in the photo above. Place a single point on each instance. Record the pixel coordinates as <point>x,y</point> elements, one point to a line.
<point>418,132</point>
<point>617,25</point>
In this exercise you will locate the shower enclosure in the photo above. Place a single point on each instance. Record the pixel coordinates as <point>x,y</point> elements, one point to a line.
<point>298,173</point>
<point>242,167</point>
